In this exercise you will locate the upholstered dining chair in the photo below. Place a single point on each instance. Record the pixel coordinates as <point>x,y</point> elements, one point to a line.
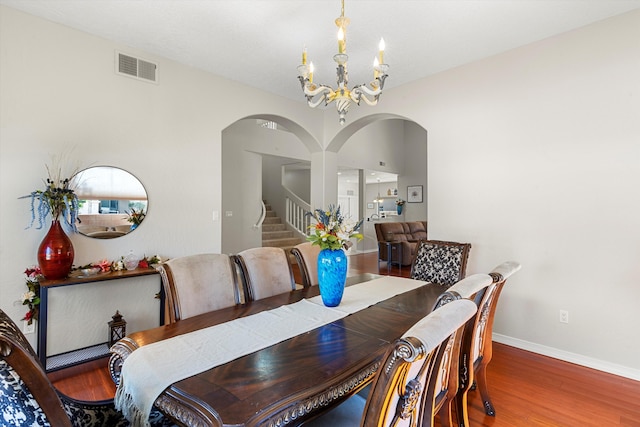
<point>265,271</point>
<point>28,398</point>
<point>403,392</point>
<point>306,255</point>
<point>483,344</point>
<point>440,262</point>
<point>461,373</point>
<point>196,284</point>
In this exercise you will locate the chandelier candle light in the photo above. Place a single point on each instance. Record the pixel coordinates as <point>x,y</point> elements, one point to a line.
<point>343,96</point>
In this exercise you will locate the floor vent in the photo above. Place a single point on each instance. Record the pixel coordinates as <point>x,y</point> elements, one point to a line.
<point>76,357</point>
<point>130,66</point>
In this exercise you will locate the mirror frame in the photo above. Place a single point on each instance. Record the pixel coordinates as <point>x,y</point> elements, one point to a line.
<point>100,225</point>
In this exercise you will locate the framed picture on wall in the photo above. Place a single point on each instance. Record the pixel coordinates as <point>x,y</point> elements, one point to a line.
<point>414,193</point>
<point>369,205</point>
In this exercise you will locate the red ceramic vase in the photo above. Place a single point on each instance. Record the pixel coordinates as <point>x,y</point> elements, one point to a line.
<point>55,254</point>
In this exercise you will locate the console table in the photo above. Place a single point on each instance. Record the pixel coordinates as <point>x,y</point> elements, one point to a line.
<point>76,279</point>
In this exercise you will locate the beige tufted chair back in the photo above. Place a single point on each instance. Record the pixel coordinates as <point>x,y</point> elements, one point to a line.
<point>197,284</point>
<point>265,271</point>
<point>306,255</point>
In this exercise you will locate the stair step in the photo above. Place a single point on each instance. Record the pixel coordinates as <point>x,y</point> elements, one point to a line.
<point>282,242</point>
<point>282,234</point>
<point>273,227</point>
<point>276,234</point>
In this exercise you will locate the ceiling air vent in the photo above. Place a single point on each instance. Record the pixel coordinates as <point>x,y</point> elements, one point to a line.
<point>130,66</point>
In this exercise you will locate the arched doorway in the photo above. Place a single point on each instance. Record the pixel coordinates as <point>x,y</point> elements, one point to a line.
<point>383,143</point>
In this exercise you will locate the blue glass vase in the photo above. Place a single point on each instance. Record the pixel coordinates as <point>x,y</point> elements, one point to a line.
<point>332,275</point>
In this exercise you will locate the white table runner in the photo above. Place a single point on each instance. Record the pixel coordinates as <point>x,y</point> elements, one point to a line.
<point>147,371</point>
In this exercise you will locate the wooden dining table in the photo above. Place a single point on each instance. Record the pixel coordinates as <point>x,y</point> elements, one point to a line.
<point>289,382</point>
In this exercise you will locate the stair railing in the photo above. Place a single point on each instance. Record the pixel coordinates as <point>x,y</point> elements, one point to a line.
<point>296,213</point>
<point>262,216</point>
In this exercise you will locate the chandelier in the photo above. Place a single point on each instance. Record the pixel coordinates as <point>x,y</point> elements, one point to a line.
<point>317,94</point>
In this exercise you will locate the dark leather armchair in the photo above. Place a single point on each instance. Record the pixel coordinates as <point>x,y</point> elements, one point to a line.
<point>401,238</point>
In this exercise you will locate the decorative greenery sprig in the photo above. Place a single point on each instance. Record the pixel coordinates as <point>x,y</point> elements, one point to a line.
<point>57,199</point>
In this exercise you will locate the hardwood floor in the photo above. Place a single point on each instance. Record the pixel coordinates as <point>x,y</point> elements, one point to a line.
<point>527,389</point>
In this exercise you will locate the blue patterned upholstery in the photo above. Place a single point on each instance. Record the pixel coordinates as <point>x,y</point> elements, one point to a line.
<point>443,263</point>
<point>93,414</point>
<point>18,407</point>
<point>34,402</point>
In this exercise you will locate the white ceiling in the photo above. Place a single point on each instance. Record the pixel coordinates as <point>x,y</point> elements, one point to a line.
<point>259,42</point>
<point>370,177</point>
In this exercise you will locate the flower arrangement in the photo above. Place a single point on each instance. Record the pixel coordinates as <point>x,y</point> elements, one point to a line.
<point>400,202</point>
<point>57,199</point>
<point>135,216</point>
<point>106,265</point>
<point>31,298</point>
<point>333,230</point>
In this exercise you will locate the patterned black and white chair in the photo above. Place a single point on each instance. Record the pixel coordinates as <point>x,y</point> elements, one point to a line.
<point>27,397</point>
<point>404,391</point>
<point>440,262</point>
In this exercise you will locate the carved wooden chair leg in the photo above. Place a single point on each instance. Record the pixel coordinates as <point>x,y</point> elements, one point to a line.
<point>446,415</point>
<point>481,376</point>
<point>461,409</point>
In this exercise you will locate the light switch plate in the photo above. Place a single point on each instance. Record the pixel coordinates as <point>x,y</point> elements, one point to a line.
<point>28,328</point>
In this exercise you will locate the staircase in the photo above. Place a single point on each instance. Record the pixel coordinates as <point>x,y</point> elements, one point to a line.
<point>275,233</point>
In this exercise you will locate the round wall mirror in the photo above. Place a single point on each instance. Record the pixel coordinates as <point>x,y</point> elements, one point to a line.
<point>113,202</point>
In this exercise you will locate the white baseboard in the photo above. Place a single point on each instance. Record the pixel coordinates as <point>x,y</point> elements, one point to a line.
<point>578,359</point>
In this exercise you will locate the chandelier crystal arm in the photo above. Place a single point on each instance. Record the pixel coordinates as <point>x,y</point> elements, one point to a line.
<point>365,90</point>
<point>321,93</point>
<point>357,95</point>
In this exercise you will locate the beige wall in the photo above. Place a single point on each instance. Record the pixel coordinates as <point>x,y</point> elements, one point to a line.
<point>59,93</point>
<point>532,155</point>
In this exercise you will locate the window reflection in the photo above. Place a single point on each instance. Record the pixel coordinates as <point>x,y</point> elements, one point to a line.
<point>113,202</point>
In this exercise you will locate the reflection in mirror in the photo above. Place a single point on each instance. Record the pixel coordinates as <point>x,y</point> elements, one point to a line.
<point>112,202</point>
